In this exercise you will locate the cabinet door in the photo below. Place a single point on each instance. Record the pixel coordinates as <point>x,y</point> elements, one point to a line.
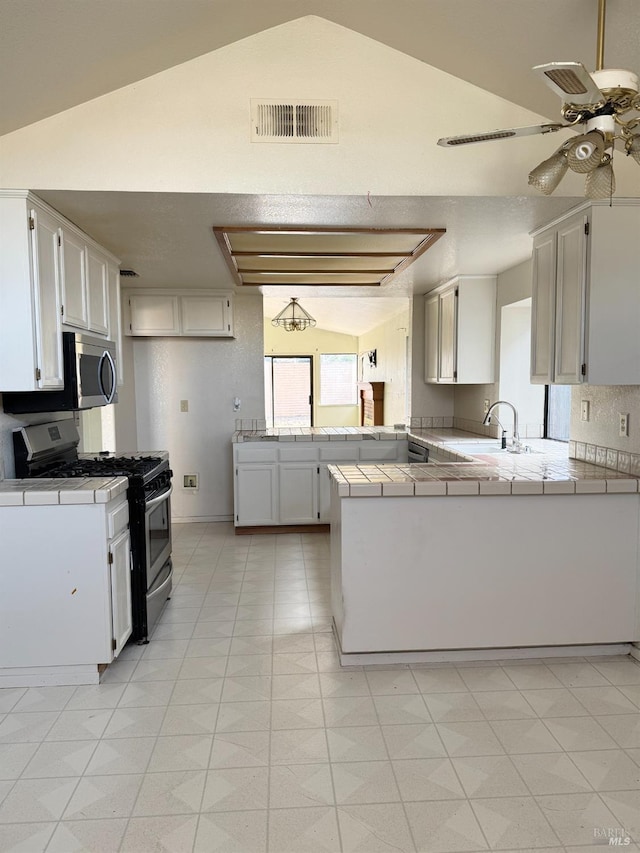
<point>256,494</point>
<point>206,316</point>
<point>115,322</point>
<point>98,307</point>
<point>154,315</point>
<point>431,344</point>
<point>447,372</point>
<point>570,301</point>
<point>298,493</point>
<point>543,308</point>
<point>121,617</point>
<point>73,277</point>
<point>46,284</point>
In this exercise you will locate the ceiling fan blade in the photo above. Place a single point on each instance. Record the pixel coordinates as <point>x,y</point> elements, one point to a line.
<point>507,133</point>
<point>571,81</point>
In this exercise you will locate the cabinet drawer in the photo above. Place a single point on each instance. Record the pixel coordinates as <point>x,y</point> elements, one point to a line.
<point>379,451</point>
<point>255,452</point>
<point>302,452</point>
<point>342,451</point>
<point>117,519</point>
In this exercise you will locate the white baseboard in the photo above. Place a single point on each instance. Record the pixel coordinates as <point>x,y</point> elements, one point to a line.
<point>49,676</point>
<point>207,519</point>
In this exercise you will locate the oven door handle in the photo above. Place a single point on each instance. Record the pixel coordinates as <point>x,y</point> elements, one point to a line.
<point>114,380</point>
<point>154,502</point>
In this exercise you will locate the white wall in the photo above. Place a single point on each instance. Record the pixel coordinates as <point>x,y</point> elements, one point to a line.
<point>187,129</point>
<point>513,285</point>
<point>605,402</point>
<point>390,342</point>
<point>515,371</point>
<point>313,342</point>
<point>209,373</point>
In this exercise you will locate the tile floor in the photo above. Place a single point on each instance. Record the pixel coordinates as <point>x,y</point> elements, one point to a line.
<point>235,730</point>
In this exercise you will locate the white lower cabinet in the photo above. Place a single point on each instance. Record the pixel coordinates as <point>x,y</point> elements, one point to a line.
<point>256,491</point>
<point>278,483</point>
<point>65,606</point>
<point>298,493</point>
<point>120,582</point>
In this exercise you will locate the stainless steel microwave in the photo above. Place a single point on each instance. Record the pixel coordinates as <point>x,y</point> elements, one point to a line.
<point>90,379</point>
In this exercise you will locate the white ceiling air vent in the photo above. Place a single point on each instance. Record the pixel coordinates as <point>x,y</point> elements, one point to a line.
<point>294,121</point>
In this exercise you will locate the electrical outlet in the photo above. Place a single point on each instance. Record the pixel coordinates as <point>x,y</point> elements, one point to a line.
<point>487,405</point>
<point>623,426</point>
<point>190,481</point>
<point>184,405</point>
<point>584,410</point>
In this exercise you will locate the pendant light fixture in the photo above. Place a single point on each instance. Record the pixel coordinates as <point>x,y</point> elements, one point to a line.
<point>293,318</point>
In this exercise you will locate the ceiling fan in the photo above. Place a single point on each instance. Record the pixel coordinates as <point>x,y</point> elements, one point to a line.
<point>599,101</point>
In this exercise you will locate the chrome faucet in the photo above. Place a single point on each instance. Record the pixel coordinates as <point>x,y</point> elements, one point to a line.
<point>516,446</point>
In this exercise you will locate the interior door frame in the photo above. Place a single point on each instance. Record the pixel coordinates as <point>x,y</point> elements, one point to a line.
<point>273,356</point>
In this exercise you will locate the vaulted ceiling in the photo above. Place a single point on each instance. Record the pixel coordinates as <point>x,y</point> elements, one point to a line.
<point>56,54</point>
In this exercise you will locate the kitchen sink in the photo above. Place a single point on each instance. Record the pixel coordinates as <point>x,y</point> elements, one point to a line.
<point>474,448</point>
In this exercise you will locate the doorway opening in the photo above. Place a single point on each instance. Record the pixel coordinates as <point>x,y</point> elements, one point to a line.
<point>288,385</point>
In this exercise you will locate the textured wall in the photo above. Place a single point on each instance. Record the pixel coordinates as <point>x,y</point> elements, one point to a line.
<point>605,402</point>
<point>390,342</point>
<point>209,373</point>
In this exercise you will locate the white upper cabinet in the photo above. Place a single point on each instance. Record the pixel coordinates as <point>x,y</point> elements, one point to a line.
<point>85,298</point>
<point>97,291</point>
<point>460,319</point>
<point>30,319</point>
<point>52,278</point>
<point>186,313</point>
<point>586,299</point>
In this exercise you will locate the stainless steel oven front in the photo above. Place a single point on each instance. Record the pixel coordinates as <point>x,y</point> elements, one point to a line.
<point>157,533</point>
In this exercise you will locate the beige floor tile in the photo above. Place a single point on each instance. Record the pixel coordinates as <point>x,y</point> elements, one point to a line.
<point>554,703</point>
<point>240,749</point>
<point>608,770</point>
<point>233,832</point>
<point>236,789</point>
<point>312,830</point>
<point>438,680</point>
<point>513,822</point>
<point>14,757</point>
<point>92,836</point>
<point>300,785</point>
<point>299,746</point>
<point>31,800</point>
<point>171,834</point>
<point>551,773</point>
<point>60,758</point>
<point>580,733</point>
<point>356,743</point>
<point>447,826</point>
<point>419,741</point>
<point>365,782</point>
<point>103,797</point>
<point>525,736</point>
<point>463,739</point>
<point>26,837</point>
<point>489,776</point>
<point>427,779</point>
<point>399,710</point>
<point>380,828</point>
<point>504,705</point>
<point>576,817</point>
<point>180,752</point>
<point>172,792</point>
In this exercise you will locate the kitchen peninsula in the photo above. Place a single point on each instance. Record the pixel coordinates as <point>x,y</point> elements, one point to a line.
<point>509,555</point>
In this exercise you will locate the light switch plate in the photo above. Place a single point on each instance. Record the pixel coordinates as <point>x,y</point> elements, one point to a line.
<point>584,410</point>
<point>623,423</point>
<point>184,405</point>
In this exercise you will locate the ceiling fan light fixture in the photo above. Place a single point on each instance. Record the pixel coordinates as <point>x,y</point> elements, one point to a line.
<point>293,318</point>
<point>601,182</point>
<point>633,148</point>
<point>584,154</point>
<point>547,175</point>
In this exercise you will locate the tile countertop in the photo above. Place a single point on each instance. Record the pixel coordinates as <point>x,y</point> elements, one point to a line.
<point>547,471</point>
<point>375,433</point>
<point>47,492</point>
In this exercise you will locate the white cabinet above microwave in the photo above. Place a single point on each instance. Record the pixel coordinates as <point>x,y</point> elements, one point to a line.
<point>186,313</point>
<point>52,278</point>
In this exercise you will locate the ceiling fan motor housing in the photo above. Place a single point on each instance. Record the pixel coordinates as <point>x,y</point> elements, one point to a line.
<point>616,80</point>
